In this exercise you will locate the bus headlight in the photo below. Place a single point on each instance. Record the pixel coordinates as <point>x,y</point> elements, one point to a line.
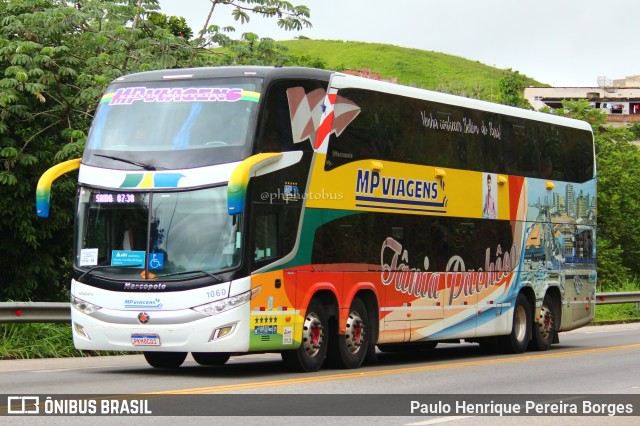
<point>84,306</point>
<point>223,305</point>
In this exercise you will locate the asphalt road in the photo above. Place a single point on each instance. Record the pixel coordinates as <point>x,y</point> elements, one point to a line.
<point>599,360</point>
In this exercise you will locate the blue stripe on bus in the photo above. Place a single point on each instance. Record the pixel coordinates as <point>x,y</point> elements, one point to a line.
<point>392,201</point>
<point>370,206</point>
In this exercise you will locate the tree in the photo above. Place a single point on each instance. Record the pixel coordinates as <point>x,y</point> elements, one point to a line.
<point>581,109</point>
<point>511,90</point>
<point>618,163</point>
<point>176,25</point>
<point>289,17</point>
<point>635,129</point>
<point>250,48</point>
<point>618,168</point>
<point>56,58</point>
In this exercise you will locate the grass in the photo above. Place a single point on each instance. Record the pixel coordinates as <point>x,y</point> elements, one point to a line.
<point>24,341</point>
<point>40,340</point>
<point>411,67</point>
<point>617,313</point>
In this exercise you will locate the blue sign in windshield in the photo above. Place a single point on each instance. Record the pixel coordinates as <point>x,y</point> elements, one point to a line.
<point>127,258</point>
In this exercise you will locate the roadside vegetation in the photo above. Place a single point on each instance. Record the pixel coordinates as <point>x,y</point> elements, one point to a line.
<point>622,312</point>
<point>40,340</point>
<point>25,341</point>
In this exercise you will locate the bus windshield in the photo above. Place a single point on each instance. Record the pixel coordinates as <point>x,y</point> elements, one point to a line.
<point>121,233</point>
<point>202,122</point>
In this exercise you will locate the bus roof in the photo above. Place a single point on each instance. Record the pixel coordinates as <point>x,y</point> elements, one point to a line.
<point>226,71</point>
<point>340,81</point>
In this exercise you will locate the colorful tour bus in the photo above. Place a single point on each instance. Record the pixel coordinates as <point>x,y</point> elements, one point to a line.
<point>236,210</point>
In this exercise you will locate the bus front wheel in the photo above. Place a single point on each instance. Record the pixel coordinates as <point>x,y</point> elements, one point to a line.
<point>165,359</point>
<point>313,349</point>
<point>518,340</point>
<point>210,358</point>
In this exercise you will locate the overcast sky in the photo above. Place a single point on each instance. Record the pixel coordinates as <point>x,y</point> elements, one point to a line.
<point>565,43</point>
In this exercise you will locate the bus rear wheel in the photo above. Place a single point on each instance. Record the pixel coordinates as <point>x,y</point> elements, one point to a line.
<point>518,340</point>
<point>165,359</point>
<point>546,325</point>
<point>313,349</point>
<point>349,350</point>
<point>210,358</point>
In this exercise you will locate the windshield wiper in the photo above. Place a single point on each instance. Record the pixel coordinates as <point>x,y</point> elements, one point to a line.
<point>124,160</point>
<point>105,266</point>
<point>173,274</point>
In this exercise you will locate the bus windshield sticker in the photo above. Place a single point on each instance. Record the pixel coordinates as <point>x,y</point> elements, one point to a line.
<point>88,257</point>
<point>156,261</point>
<point>129,95</point>
<point>127,258</point>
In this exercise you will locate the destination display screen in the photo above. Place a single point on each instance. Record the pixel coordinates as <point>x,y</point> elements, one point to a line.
<point>115,198</point>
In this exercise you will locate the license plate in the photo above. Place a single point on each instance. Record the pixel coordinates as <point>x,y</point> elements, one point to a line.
<point>145,340</point>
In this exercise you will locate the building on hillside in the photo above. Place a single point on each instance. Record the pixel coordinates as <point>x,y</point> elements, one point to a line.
<point>619,99</point>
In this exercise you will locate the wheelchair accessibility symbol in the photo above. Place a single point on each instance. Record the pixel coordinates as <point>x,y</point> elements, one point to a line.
<point>156,261</point>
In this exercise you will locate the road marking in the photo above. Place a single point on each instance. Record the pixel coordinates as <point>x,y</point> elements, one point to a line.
<point>360,374</point>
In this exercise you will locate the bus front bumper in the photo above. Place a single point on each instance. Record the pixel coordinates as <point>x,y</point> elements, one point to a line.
<point>168,331</point>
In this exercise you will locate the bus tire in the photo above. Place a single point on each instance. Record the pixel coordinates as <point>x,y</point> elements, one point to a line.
<point>165,359</point>
<point>517,341</point>
<point>313,349</point>
<point>545,327</point>
<point>211,358</point>
<point>349,350</point>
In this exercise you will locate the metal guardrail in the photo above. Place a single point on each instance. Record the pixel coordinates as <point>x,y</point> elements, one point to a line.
<point>61,311</point>
<point>622,297</point>
<point>35,312</point>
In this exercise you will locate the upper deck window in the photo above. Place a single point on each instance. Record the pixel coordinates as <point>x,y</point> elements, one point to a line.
<point>410,130</point>
<point>174,124</point>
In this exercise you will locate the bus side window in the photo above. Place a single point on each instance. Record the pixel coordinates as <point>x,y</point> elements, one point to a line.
<point>266,237</point>
<point>551,147</point>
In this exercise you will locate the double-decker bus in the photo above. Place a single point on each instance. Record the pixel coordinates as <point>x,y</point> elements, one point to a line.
<point>236,210</point>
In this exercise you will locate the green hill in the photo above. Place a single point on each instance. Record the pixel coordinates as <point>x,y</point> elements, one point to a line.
<point>412,67</point>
